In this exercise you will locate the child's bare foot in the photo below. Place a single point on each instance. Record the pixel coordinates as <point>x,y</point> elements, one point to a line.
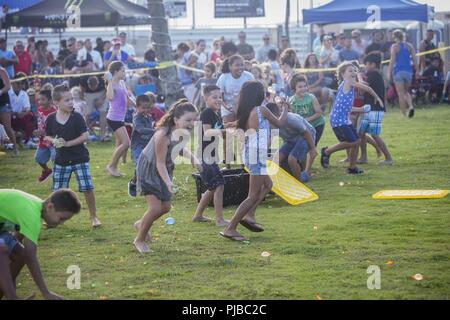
<point>222,223</point>
<point>137,226</point>
<point>201,219</point>
<point>141,247</point>
<point>95,223</point>
<point>113,172</point>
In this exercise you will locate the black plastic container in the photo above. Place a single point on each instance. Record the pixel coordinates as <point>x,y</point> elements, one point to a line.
<point>235,189</point>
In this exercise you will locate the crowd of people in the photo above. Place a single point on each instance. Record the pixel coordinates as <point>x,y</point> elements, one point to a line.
<point>234,88</point>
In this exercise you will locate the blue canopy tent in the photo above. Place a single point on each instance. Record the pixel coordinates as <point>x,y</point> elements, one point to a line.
<point>342,11</point>
<point>17,5</point>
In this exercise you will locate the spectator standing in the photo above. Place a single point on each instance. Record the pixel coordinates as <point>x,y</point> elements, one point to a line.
<point>358,44</point>
<point>215,55</point>
<point>377,43</point>
<point>426,45</point>
<point>75,64</point>
<point>96,57</point>
<point>115,54</point>
<point>127,47</point>
<point>7,58</point>
<point>329,57</point>
<point>347,53</point>
<point>262,52</point>
<point>25,60</point>
<point>244,49</point>
<point>403,57</point>
<point>340,44</point>
<point>284,44</point>
<point>63,52</point>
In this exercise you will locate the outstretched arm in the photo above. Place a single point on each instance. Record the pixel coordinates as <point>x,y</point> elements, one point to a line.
<point>370,91</point>
<point>35,270</point>
<point>277,122</point>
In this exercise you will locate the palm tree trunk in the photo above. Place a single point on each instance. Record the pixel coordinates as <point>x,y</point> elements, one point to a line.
<point>170,84</point>
<point>287,18</point>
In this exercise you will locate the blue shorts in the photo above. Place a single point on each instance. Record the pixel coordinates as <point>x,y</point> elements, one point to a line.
<point>298,149</point>
<point>8,240</point>
<point>211,176</point>
<point>61,176</point>
<point>371,123</point>
<point>44,155</point>
<point>6,108</point>
<point>403,77</point>
<point>135,153</point>
<point>346,133</point>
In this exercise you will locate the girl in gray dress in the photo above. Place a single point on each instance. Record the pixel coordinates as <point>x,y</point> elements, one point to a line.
<point>156,165</point>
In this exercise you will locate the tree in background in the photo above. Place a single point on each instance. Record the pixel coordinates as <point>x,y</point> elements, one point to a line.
<point>170,83</point>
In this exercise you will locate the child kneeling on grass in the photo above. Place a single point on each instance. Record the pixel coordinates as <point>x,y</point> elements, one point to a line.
<point>339,117</point>
<point>212,129</point>
<point>156,164</point>
<point>20,226</point>
<point>299,147</point>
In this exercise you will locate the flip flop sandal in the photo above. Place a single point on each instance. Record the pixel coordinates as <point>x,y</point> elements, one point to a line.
<point>254,227</point>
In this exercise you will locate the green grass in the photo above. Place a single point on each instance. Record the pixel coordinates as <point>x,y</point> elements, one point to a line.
<point>191,261</point>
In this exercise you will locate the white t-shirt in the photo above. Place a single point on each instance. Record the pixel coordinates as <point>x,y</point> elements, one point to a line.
<point>97,59</point>
<point>231,87</point>
<point>129,49</point>
<point>20,102</point>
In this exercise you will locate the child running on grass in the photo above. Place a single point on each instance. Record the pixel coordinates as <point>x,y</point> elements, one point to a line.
<point>299,147</point>
<point>117,94</point>
<point>156,164</point>
<point>212,178</point>
<point>142,133</point>
<point>67,131</point>
<point>20,226</point>
<point>45,150</point>
<point>371,122</point>
<point>256,119</point>
<point>339,116</point>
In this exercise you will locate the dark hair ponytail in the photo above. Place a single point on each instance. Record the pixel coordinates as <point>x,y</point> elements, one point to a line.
<point>177,110</point>
<point>252,95</point>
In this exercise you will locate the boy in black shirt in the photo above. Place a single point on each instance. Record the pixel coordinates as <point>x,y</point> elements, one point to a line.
<point>371,121</point>
<point>68,132</point>
<point>212,129</point>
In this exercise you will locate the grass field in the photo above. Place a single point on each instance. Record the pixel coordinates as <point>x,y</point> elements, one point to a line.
<point>191,261</point>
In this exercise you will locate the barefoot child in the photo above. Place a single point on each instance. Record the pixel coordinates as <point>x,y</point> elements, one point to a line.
<point>117,94</point>
<point>156,165</point>
<point>371,121</point>
<point>142,133</point>
<point>67,131</point>
<point>45,150</point>
<point>339,117</point>
<point>299,147</point>
<point>211,175</point>
<point>256,119</point>
<point>20,226</point>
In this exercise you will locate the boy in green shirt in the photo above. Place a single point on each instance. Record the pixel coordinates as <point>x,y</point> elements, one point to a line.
<point>20,225</point>
<point>306,104</point>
